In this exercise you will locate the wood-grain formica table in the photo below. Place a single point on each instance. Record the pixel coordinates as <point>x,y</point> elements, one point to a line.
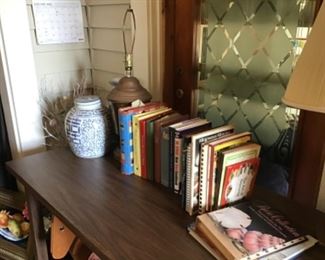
<point>116,216</point>
<point>124,217</point>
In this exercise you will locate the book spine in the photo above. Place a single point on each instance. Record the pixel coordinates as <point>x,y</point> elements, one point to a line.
<point>143,149</point>
<point>136,147</point>
<point>203,189</point>
<point>194,190</point>
<point>211,171</point>
<point>164,156</point>
<point>183,169</point>
<point>188,178</point>
<point>126,143</point>
<point>150,150</point>
<point>177,162</point>
<point>184,175</point>
<point>157,153</point>
<point>218,164</point>
<point>171,157</point>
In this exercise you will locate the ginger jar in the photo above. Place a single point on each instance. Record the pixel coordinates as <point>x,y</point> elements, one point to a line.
<point>86,127</point>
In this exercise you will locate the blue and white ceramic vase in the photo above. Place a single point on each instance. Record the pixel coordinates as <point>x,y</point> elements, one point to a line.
<point>86,127</point>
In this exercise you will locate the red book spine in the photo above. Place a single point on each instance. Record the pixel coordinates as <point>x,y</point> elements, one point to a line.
<point>143,149</point>
<point>157,161</point>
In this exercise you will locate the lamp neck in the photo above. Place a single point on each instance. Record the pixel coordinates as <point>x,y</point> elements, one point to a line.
<point>128,65</point>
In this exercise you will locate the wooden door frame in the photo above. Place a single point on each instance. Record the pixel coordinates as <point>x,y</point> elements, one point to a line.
<point>18,81</point>
<point>180,70</point>
<point>181,20</point>
<point>309,155</point>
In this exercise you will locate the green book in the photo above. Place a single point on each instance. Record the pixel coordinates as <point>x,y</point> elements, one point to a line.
<point>150,149</point>
<point>164,156</point>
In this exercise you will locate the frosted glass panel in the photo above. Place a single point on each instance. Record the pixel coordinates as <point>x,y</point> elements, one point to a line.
<point>249,48</point>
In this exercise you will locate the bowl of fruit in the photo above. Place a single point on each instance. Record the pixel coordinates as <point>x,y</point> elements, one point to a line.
<point>13,226</point>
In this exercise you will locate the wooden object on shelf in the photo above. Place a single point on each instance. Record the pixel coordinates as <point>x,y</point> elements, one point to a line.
<point>61,238</point>
<point>79,251</point>
<point>37,227</point>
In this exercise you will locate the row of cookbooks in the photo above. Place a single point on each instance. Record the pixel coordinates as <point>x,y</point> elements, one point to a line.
<point>208,167</point>
<point>211,169</point>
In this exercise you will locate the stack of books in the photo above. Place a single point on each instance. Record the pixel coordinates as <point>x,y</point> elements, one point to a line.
<point>211,169</point>
<point>249,230</point>
<point>208,167</point>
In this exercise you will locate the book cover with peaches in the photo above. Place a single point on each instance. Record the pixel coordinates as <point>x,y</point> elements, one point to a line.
<point>248,230</point>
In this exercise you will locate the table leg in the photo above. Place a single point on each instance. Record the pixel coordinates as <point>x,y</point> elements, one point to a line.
<point>37,227</point>
<point>30,246</point>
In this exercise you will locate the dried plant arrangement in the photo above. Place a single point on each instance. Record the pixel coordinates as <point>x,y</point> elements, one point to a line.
<point>54,109</point>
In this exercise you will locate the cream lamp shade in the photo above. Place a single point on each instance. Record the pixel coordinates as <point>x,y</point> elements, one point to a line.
<point>306,87</point>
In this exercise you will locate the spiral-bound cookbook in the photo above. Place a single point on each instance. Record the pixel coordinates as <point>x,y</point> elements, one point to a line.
<point>248,230</point>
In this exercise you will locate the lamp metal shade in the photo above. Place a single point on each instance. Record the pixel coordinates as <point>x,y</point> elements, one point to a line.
<point>306,88</point>
<point>128,90</point>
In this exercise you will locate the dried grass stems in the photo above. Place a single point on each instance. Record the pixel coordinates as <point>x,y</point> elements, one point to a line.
<point>54,109</point>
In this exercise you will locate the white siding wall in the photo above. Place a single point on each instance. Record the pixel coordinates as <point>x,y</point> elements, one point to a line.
<point>105,20</point>
<point>60,66</point>
<point>26,66</point>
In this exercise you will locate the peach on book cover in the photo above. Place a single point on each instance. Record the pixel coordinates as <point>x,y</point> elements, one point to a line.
<point>248,230</point>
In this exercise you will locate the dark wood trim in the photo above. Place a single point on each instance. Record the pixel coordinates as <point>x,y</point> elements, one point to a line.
<point>309,157</point>
<point>169,16</point>
<point>182,18</point>
<point>37,227</point>
<point>296,150</point>
<point>309,154</point>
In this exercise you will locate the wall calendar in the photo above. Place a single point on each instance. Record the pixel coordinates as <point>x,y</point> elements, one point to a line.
<point>58,21</point>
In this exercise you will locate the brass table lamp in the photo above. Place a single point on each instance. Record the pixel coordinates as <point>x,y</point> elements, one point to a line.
<point>128,88</point>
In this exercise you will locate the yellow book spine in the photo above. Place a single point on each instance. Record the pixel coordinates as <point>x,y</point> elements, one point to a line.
<point>230,143</point>
<point>136,146</point>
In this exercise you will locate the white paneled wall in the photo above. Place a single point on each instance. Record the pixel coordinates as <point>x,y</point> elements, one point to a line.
<point>60,66</point>
<point>100,58</point>
<point>105,21</point>
<point>26,67</point>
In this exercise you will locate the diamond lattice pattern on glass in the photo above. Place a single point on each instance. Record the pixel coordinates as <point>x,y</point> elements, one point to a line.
<point>249,48</point>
